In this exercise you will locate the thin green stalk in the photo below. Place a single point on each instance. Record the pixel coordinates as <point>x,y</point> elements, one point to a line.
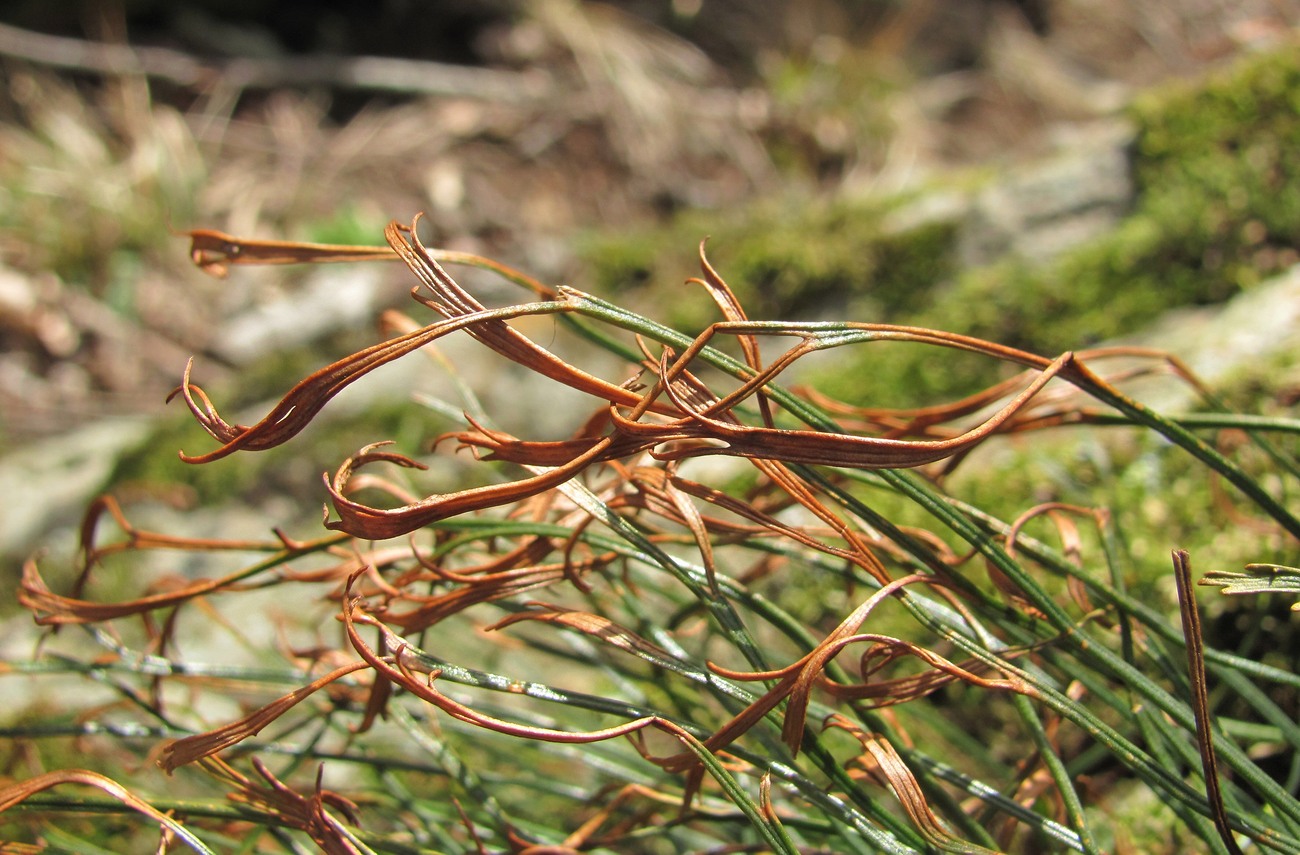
<point>219,809</point>
<point>1116,568</point>
<point>1090,650</point>
<point>899,837</point>
<point>453,767</point>
<point>990,796</point>
<point>1214,421</point>
<point>1074,637</point>
<point>1060,775</point>
<point>1160,738</point>
<point>1199,449</point>
<point>1153,620</point>
<point>720,607</point>
<point>1230,669</point>
<point>1287,728</point>
<point>767,824</point>
<point>1132,756</point>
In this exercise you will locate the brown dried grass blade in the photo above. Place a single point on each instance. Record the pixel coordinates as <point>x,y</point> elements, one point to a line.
<point>918,421</point>
<point>859,550</point>
<point>191,748</point>
<point>1060,514</point>
<point>882,762</point>
<point>732,310</point>
<point>814,447</point>
<point>301,404</point>
<point>215,251</point>
<point>797,679</point>
<point>487,588</point>
<point>362,520</point>
<point>452,301</point>
<point>397,668</point>
<point>596,626</point>
<point>142,539</point>
<point>17,793</point>
<point>307,813</point>
<point>49,608</point>
<point>1201,697</point>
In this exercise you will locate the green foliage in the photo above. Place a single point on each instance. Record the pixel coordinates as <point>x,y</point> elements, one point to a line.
<point>84,196</point>
<point>786,260</point>
<point>351,224</point>
<point>1212,164</point>
<point>1215,164</point>
<point>514,633</point>
<point>832,108</point>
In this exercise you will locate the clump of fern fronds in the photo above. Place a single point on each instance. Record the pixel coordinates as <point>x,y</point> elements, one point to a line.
<point>607,643</point>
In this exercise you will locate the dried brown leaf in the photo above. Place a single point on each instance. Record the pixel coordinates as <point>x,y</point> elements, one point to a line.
<point>882,762</point>
<point>215,251</point>
<point>191,748</point>
<point>19,792</point>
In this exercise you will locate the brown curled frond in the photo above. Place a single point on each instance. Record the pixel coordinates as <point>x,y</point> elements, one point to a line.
<point>137,539</point>
<point>301,404</point>
<point>496,586</point>
<point>361,520</point>
<point>215,251</point>
<point>764,522</point>
<point>452,301</point>
<point>813,447</point>
<point>397,668</point>
<point>17,793</point>
<point>51,609</point>
<point>307,813</point>
<point>490,444</point>
<point>594,625</point>
<point>1049,410</point>
<point>732,310</point>
<point>880,761</point>
<point>1061,515</point>
<point>192,748</point>
<point>795,681</point>
<point>885,650</point>
<point>919,422</point>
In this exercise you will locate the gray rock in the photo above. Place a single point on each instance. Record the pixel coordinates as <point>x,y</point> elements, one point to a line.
<point>1218,341</point>
<point>48,483</point>
<point>1041,210</point>
<point>332,299</point>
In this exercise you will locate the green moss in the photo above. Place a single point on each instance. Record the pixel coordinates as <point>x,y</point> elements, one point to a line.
<point>1212,166</point>
<point>783,260</point>
<point>351,224</point>
<point>1212,162</point>
<point>292,470</point>
<point>831,109</point>
<point>1132,819</point>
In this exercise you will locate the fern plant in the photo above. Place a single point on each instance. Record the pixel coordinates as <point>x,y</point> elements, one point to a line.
<point>608,644</point>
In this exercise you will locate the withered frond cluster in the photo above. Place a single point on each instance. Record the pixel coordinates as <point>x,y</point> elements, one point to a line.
<point>763,613</point>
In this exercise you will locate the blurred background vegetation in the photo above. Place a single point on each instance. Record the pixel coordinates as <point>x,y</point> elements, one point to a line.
<point>1046,174</point>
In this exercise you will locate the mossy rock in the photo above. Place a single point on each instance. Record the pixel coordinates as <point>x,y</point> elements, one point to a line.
<point>1214,164</point>
<point>1211,161</point>
<point>783,261</point>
